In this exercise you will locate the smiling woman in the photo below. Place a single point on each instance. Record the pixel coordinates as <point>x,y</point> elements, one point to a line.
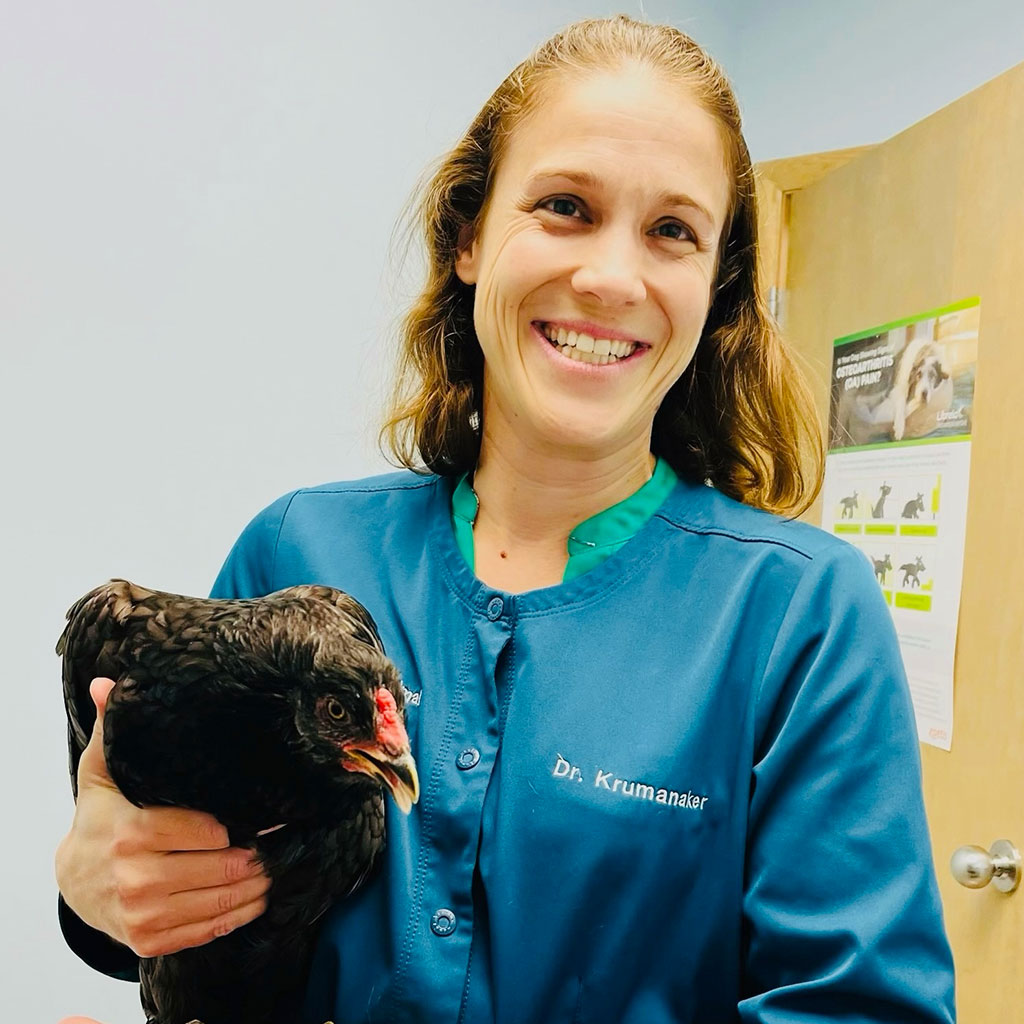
<point>657,719</point>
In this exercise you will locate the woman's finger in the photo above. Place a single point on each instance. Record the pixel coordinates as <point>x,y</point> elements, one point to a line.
<point>197,906</point>
<point>198,934</point>
<point>180,828</point>
<point>203,869</point>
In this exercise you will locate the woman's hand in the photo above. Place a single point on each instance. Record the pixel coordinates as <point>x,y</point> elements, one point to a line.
<point>157,879</point>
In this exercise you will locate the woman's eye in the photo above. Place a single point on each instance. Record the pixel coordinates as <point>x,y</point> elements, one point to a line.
<point>567,207</point>
<point>335,709</point>
<point>564,201</point>
<point>684,235</point>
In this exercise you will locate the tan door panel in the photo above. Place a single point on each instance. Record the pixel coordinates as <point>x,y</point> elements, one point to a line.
<point>930,217</point>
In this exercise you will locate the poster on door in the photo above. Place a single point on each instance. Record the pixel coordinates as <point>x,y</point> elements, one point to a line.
<point>896,483</point>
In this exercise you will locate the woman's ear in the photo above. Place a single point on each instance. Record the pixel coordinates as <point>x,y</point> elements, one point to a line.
<point>466,255</point>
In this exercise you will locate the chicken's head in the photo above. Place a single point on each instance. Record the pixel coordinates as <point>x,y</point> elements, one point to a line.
<point>351,715</point>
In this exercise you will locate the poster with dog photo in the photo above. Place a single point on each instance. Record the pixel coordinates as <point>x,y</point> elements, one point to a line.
<point>896,482</point>
<point>906,381</point>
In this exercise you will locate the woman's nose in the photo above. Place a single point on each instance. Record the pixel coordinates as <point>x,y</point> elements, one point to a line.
<point>611,271</point>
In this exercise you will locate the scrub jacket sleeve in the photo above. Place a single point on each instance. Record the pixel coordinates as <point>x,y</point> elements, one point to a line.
<point>95,948</point>
<point>841,906</point>
<point>247,572</point>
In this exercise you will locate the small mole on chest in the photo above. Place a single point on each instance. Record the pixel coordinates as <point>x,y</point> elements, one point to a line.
<point>504,554</point>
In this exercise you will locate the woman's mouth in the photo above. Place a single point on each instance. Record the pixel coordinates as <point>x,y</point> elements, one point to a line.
<point>582,348</point>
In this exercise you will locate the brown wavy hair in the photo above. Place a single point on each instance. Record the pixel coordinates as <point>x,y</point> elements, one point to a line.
<point>740,415</point>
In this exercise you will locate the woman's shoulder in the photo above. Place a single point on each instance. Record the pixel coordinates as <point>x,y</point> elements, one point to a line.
<point>306,531</point>
<point>402,487</point>
<point>398,480</point>
<point>701,509</point>
<point>345,497</point>
<point>741,535</point>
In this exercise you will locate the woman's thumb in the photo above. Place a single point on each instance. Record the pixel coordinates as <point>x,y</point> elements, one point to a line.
<point>93,759</point>
<point>99,690</point>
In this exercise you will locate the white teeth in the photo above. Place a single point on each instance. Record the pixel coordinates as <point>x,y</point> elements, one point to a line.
<point>584,357</point>
<point>597,350</point>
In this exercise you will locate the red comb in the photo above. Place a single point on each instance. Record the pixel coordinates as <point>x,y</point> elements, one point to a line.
<point>391,732</point>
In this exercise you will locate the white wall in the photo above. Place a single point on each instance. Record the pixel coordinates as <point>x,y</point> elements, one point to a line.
<point>195,299</point>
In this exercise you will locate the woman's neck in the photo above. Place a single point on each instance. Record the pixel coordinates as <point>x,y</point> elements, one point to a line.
<point>531,499</point>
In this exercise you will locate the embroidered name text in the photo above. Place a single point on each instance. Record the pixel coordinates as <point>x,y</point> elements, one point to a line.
<point>642,791</point>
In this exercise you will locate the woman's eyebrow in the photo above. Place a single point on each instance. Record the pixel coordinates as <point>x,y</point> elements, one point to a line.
<point>588,180</point>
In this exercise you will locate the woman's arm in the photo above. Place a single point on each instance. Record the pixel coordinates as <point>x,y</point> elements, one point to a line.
<point>842,912</point>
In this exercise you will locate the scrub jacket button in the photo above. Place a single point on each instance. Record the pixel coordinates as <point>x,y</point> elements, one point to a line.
<point>443,922</point>
<point>494,608</point>
<point>468,758</point>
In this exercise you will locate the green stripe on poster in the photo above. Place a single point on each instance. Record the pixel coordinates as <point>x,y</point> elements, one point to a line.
<point>919,530</point>
<point>962,304</point>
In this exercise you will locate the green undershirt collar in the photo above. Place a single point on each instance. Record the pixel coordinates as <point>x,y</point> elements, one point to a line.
<point>593,540</point>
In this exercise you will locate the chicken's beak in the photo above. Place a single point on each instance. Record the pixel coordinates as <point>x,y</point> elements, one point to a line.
<point>396,771</point>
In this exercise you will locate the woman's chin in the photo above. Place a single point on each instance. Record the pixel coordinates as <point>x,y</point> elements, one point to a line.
<point>552,422</point>
<point>583,437</point>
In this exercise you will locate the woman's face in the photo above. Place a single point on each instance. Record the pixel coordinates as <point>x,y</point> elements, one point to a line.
<point>606,211</point>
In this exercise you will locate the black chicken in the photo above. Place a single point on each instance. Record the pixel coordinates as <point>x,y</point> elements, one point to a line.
<point>280,716</point>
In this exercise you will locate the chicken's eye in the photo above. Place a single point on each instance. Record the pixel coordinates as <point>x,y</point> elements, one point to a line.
<point>335,709</point>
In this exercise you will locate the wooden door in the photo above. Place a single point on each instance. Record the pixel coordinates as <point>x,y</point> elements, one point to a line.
<point>932,216</point>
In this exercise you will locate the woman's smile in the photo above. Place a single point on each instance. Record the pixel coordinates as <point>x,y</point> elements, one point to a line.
<point>589,357</point>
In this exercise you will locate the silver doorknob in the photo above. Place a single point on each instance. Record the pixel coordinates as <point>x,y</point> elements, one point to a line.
<point>975,867</point>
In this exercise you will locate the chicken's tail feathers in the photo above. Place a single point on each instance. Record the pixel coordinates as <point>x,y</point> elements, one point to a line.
<point>116,598</point>
<point>88,647</point>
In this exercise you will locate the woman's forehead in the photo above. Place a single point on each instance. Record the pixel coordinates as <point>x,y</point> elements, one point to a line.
<point>621,126</point>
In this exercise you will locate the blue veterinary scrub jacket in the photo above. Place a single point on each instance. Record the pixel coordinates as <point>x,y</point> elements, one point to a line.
<point>683,786</point>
